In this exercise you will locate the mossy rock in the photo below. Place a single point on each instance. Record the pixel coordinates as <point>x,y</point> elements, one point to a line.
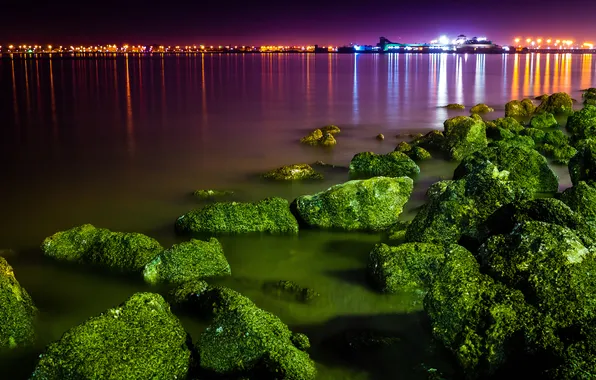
<point>581,198</point>
<point>188,261</point>
<point>397,232</point>
<point>332,129</point>
<point>582,124</point>
<point>517,108</point>
<point>328,140</point>
<point>520,141</point>
<point>463,136</point>
<point>455,106</point>
<point>271,215</point>
<point>403,147</point>
<point>419,154</point>
<point>293,173</point>
<point>509,123</point>
<point>17,311</point>
<point>538,135</point>
<point>393,164</point>
<point>481,108</point>
<point>433,141</point>
<point>582,166</point>
<point>243,340</point>
<point>312,138</point>
<point>212,194</point>
<point>589,96</point>
<point>290,290</point>
<point>560,154</point>
<point>98,246</point>
<point>185,295</point>
<point>373,204</point>
<point>140,339</point>
<point>541,97</point>
<point>526,167</point>
<point>558,103</point>
<point>407,267</point>
<point>543,120</point>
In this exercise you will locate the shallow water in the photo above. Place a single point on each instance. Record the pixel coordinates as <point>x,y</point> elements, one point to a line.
<point>121,143</point>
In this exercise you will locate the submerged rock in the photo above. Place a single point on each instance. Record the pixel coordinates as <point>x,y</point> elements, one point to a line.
<point>211,194</point>
<point>293,172</point>
<point>291,290</point>
<point>407,267</point>
<point>582,166</point>
<point>481,108</point>
<point>463,136</point>
<point>140,339</point>
<point>332,129</point>
<point>543,120</point>
<point>312,138</point>
<point>372,204</point>
<point>517,108</point>
<point>99,246</point>
<point>526,167</point>
<point>589,96</point>
<point>394,164</point>
<point>432,141</point>
<point>558,103</point>
<point>358,341</point>
<point>188,261</point>
<point>582,124</point>
<point>581,198</point>
<point>328,140</point>
<point>17,311</point>
<point>397,232</point>
<point>270,215</point>
<point>455,106</point>
<point>244,340</point>
<point>186,295</point>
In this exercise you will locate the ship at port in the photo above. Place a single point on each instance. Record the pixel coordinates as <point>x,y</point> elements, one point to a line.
<point>461,44</point>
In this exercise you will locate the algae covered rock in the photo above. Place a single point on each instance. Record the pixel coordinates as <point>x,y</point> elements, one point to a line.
<point>380,137</point>
<point>463,136</point>
<point>582,166</point>
<point>140,339</point>
<point>290,290</point>
<point>416,153</point>
<point>455,106</point>
<point>328,140</point>
<point>543,120</point>
<point>481,108</point>
<point>581,198</point>
<point>372,204</point>
<point>517,108</point>
<point>243,340</point>
<point>270,215</point>
<point>582,124</point>
<point>407,267</point>
<point>333,129</point>
<point>589,96</point>
<point>89,245</point>
<point>188,261</point>
<point>17,311</point>
<point>211,194</point>
<point>558,103</point>
<point>509,123</point>
<point>187,293</point>
<point>293,172</point>
<point>394,164</point>
<point>432,141</point>
<point>526,167</point>
<point>312,138</point>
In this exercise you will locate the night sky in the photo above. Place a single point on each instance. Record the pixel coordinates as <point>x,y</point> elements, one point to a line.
<point>223,22</point>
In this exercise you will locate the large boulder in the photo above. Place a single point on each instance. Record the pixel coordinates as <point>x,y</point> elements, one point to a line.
<point>270,215</point>
<point>589,96</point>
<point>582,124</point>
<point>407,267</point>
<point>463,136</point>
<point>456,208</point>
<point>543,120</point>
<point>558,103</point>
<point>581,198</point>
<point>17,311</point>
<point>528,168</point>
<point>188,261</point>
<point>292,173</point>
<point>99,246</point>
<point>373,204</point>
<point>394,164</point>
<point>582,166</point>
<point>243,340</point>
<point>140,339</point>
<point>517,108</point>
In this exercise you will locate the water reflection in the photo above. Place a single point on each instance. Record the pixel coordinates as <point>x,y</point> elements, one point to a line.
<point>53,102</point>
<point>586,71</point>
<point>459,81</point>
<point>355,105</point>
<point>515,79</point>
<point>15,101</point>
<point>547,74</point>
<point>130,140</point>
<point>479,80</point>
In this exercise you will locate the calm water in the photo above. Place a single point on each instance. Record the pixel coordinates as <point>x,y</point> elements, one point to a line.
<point>120,143</point>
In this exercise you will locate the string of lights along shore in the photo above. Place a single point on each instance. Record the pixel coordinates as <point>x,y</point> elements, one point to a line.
<point>443,43</point>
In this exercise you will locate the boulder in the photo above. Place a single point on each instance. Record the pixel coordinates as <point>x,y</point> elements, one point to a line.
<point>455,106</point>
<point>517,108</point>
<point>481,108</point>
<point>332,129</point>
<point>582,166</point>
<point>393,164</point>
<point>292,173</point>
<point>211,194</point>
<point>407,267</point>
<point>432,141</point>
<point>17,311</point>
<point>541,97</point>
<point>538,135</point>
<point>312,138</point>
<point>188,261</point>
<point>186,295</point>
<point>397,232</point>
<point>589,96</point>
<point>290,290</point>
<point>543,120</point>
<point>581,198</point>
<point>509,123</point>
<point>99,246</point>
<point>582,124</point>
<point>560,154</point>
<point>373,204</point>
<point>416,153</point>
<point>456,208</point>
<point>328,140</point>
<point>243,340</point>
<point>558,103</point>
<point>526,167</point>
<point>270,215</point>
<point>140,339</point>
<point>463,136</point>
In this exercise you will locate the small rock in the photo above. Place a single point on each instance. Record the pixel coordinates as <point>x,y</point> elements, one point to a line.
<point>455,106</point>
<point>380,136</point>
<point>481,108</point>
<point>290,289</point>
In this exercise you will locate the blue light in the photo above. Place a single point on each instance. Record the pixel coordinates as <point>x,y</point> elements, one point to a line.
<point>357,47</point>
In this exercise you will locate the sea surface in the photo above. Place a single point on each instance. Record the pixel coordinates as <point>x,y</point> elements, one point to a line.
<point>121,143</point>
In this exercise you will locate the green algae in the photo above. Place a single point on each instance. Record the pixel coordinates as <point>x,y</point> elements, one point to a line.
<point>557,103</point>
<point>463,136</point>
<point>293,173</point>
<point>394,164</point>
<point>481,108</point>
<point>543,120</point>
<point>290,290</point>
<point>517,108</point>
<point>211,194</point>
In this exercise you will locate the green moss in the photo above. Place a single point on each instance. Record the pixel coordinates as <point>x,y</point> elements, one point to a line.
<point>188,261</point>
<point>140,339</point>
<point>481,108</point>
<point>186,294</point>
<point>333,129</point>
<point>581,198</point>
<point>301,341</point>
<point>397,232</point>
<point>558,103</point>
<point>541,97</point>
<point>394,164</point>
<point>312,138</point>
<point>407,267</point>
<point>99,246</point>
<point>463,136</point>
<point>509,123</point>
<point>243,339</point>
<point>328,140</point>
<point>403,147</point>
<point>270,215</point>
<point>526,167</point>
<point>419,154</point>
<point>293,172</point>
<point>562,155</point>
<point>432,141</point>
<point>372,204</point>
<point>543,120</point>
<point>290,290</point>
<point>582,124</point>
<point>211,194</point>
<point>17,311</point>
<point>455,106</point>
<point>582,166</point>
<point>538,135</point>
<point>517,108</point>
<point>589,96</point>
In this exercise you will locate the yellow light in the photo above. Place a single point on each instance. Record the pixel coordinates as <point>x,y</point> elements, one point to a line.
<point>529,40</point>
<point>539,40</point>
<point>516,40</point>
<point>10,47</point>
<point>548,41</point>
<point>558,41</point>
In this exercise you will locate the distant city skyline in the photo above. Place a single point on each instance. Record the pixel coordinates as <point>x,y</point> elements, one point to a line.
<point>306,22</point>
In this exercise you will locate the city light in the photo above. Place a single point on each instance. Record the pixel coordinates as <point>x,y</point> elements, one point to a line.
<point>443,40</point>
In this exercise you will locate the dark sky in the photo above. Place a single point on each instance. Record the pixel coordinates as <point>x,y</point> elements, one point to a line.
<point>216,22</point>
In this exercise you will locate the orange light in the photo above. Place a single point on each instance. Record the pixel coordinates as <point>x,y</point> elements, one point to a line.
<point>517,40</point>
<point>529,40</point>
<point>539,40</point>
<point>548,41</point>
